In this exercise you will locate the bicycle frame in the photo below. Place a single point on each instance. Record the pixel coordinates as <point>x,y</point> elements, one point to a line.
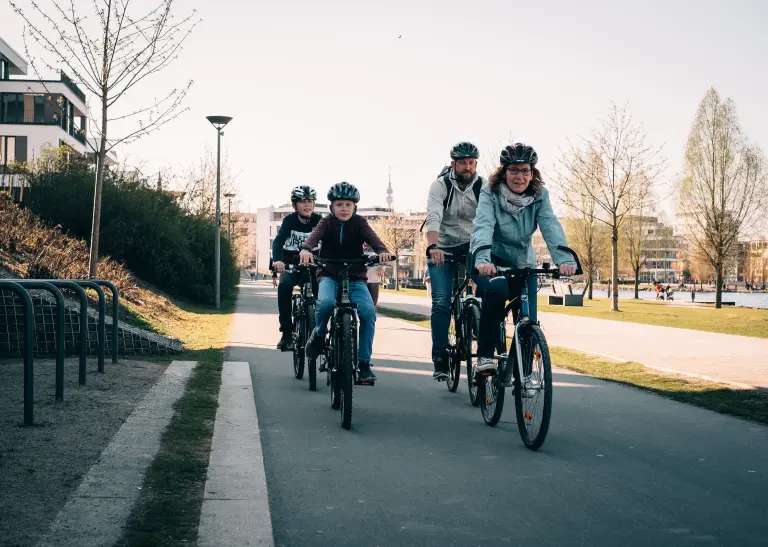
<point>523,319</point>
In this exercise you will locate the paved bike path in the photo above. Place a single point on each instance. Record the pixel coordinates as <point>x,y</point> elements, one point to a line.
<point>740,360</point>
<point>419,467</point>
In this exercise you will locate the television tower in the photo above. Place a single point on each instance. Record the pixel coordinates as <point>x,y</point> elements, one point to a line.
<point>389,189</point>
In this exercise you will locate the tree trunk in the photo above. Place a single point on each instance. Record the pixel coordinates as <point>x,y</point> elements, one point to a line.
<point>396,273</point>
<point>100,166</point>
<point>591,284</point>
<point>637,283</point>
<point>615,268</point>
<point>719,288</point>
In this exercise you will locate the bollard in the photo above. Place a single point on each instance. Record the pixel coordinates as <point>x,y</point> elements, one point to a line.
<point>83,353</point>
<point>101,330</point>
<point>29,349</point>
<point>44,285</point>
<point>115,312</point>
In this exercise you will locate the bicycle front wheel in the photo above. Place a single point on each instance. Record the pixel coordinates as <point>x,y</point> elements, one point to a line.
<point>533,392</point>
<point>299,339</point>
<point>455,343</point>
<point>347,343</point>
<point>309,321</point>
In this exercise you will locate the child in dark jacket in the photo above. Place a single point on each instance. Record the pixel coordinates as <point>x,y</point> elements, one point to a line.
<point>341,235</point>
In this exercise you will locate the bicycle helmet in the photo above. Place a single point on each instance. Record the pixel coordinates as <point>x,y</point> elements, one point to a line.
<point>464,150</point>
<point>519,153</point>
<point>343,190</point>
<point>303,193</point>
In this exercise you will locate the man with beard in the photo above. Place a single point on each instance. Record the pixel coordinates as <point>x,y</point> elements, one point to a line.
<point>451,209</point>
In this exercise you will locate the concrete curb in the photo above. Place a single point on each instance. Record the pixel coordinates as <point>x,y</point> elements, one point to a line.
<point>98,510</point>
<point>236,505</point>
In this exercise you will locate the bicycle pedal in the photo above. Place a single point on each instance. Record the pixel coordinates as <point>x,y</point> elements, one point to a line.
<point>367,383</point>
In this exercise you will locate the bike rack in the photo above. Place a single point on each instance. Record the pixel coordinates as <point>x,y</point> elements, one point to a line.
<point>29,345</point>
<point>44,285</point>
<point>115,311</point>
<point>83,353</point>
<point>101,330</point>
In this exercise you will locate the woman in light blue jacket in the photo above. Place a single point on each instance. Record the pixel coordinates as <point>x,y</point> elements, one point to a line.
<point>511,207</point>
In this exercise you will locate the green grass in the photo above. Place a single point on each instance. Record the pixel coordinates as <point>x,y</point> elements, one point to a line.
<point>744,403</point>
<point>751,404</point>
<point>730,320</point>
<point>727,320</point>
<point>168,509</point>
<point>409,292</point>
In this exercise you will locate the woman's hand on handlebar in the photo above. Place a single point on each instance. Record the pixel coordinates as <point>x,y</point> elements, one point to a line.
<point>278,266</point>
<point>567,269</point>
<point>305,257</point>
<point>486,269</point>
<point>384,257</point>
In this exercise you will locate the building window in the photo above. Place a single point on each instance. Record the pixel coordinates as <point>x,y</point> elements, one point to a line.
<point>7,150</point>
<point>12,108</point>
<point>12,149</point>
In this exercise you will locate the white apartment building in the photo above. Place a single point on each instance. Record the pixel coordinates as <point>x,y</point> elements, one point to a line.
<point>35,112</point>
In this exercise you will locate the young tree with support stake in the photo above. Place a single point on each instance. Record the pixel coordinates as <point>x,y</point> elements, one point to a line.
<point>109,51</point>
<point>616,169</point>
<point>725,186</point>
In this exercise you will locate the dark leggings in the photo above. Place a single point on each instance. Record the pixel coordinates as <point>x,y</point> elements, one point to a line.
<point>496,293</point>
<point>374,290</point>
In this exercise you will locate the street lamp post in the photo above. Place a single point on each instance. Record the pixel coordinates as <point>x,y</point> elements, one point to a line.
<point>229,197</point>
<point>218,122</point>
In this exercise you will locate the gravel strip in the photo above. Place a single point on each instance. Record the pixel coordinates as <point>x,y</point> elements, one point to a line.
<point>41,466</point>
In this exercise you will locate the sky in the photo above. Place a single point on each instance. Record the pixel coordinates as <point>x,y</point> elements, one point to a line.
<point>345,90</point>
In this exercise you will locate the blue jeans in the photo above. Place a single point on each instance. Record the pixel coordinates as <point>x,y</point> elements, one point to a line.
<point>442,290</point>
<point>366,313</point>
<point>495,294</point>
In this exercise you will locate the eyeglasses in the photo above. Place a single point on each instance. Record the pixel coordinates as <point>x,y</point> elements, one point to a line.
<point>515,171</point>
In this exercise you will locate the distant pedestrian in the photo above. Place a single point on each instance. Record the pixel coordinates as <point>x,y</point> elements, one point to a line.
<point>693,294</point>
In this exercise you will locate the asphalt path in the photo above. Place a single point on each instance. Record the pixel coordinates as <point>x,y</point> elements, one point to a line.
<point>420,467</point>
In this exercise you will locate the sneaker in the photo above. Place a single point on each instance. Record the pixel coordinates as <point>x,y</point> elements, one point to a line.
<point>314,345</point>
<point>366,374</point>
<point>442,371</point>
<point>486,365</point>
<point>286,342</point>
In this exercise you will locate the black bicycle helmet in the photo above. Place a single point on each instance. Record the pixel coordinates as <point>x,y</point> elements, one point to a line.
<point>464,150</point>
<point>519,153</point>
<point>343,190</point>
<point>303,193</point>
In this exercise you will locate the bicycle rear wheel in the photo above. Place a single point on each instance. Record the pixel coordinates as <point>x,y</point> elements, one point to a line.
<point>533,393</point>
<point>309,321</point>
<point>348,350</point>
<point>299,338</point>
<point>471,318</point>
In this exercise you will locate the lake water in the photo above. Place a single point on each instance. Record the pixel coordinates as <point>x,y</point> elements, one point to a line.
<point>746,300</point>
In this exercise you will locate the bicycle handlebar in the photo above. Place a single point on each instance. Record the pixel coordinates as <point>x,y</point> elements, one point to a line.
<point>367,260</point>
<point>547,269</point>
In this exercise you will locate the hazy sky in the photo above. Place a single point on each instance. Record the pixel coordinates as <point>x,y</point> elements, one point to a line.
<point>328,91</point>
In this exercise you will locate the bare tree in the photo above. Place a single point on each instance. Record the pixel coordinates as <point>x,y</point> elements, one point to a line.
<point>198,185</point>
<point>635,237</point>
<point>110,51</point>
<point>397,234</point>
<point>607,168</point>
<point>725,188</point>
<point>584,229</point>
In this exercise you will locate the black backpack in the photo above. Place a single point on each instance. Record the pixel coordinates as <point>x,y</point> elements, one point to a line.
<point>445,174</point>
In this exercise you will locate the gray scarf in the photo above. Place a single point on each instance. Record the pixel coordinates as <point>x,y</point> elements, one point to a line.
<point>512,202</point>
